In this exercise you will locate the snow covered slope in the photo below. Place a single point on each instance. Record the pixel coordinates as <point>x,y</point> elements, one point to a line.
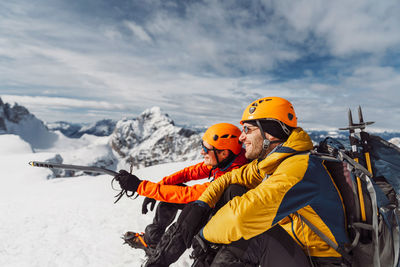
<point>395,140</point>
<point>87,150</point>
<point>66,221</point>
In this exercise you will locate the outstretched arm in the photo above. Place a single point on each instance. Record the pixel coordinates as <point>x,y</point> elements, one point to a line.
<point>171,193</point>
<point>195,172</point>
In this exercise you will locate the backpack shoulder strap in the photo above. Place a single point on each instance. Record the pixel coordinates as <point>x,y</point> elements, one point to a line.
<point>324,237</point>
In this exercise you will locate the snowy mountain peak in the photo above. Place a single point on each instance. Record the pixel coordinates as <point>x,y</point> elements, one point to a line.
<point>155,116</point>
<point>17,113</point>
<point>136,130</point>
<point>18,120</point>
<point>13,114</point>
<point>153,138</point>
<point>154,111</point>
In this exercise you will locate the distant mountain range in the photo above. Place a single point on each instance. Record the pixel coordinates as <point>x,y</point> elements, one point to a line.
<point>106,127</point>
<point>343,136</point>
<point>149,139</point>
<point>76,130</point>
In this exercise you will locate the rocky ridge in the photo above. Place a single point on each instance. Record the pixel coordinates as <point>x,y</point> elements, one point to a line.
<point>18,120</point>
<point>152,138</point>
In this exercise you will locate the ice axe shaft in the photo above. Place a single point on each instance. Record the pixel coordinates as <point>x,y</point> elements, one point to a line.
<point>92,169</point>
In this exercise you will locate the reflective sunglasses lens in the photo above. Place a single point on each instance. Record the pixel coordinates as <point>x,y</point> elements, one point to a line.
<point>204,148</point>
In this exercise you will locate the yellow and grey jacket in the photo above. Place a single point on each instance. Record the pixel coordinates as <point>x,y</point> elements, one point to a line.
<point>286,183</point>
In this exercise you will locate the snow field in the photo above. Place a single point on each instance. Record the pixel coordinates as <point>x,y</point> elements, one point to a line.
<point>67,221</point>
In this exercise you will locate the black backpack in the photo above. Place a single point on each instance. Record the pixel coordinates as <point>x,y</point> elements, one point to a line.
<point>370,199</point>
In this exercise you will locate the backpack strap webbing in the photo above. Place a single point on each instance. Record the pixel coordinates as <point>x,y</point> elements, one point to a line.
<point>324,237</point>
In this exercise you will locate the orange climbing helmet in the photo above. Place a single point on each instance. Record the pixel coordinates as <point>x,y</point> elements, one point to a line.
<point>271,108</point>
<point>224,136</point>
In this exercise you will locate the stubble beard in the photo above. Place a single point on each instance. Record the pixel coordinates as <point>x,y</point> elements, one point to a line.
<point>255,150</point>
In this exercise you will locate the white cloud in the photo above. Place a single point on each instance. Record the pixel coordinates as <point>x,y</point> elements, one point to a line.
<point>202,63</point>
<point>346,26</point>
<point>61,102</point>
<point>138,31</point>
<point>51,109</point>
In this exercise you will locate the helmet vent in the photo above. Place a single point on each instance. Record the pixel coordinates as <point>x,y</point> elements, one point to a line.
<point>290,116</point>
<point>215,137</point>
<point>225,136</point>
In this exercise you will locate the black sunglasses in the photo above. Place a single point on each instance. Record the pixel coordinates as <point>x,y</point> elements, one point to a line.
<point>205,149</point>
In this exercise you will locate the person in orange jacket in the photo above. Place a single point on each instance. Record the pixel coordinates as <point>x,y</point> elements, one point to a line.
<point>222,152</point>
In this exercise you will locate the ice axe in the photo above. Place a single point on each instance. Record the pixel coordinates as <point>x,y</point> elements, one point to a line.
<point>90,169</point>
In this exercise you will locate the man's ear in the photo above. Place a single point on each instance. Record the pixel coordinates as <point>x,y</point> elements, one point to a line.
<point>270,137</point>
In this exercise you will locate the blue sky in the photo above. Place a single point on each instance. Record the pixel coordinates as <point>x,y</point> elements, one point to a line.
<point>202,62</point>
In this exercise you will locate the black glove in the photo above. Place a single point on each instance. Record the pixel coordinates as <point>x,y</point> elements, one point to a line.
<point>146,202</point>
<point>192,218</point>
<point>203,251</point>
<point>127,181</point>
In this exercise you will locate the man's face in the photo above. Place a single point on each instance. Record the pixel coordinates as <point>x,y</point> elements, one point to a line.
<point>252,140</point>
<point>208,154</point>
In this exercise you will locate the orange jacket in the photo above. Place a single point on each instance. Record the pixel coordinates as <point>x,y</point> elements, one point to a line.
<point>167,189</point>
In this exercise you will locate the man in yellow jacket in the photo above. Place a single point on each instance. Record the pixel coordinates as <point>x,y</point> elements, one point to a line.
<point>283,184</point>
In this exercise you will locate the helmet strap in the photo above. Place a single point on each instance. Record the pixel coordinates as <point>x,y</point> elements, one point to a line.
<point>222,164</point>
<point>284,128</point>
<point>216,156</point>
<point>266,142</point>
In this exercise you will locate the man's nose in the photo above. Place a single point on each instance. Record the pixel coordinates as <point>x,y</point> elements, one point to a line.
<point>242,137</point>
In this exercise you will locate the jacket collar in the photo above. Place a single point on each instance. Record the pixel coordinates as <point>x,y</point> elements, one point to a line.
<point>298,141</point>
